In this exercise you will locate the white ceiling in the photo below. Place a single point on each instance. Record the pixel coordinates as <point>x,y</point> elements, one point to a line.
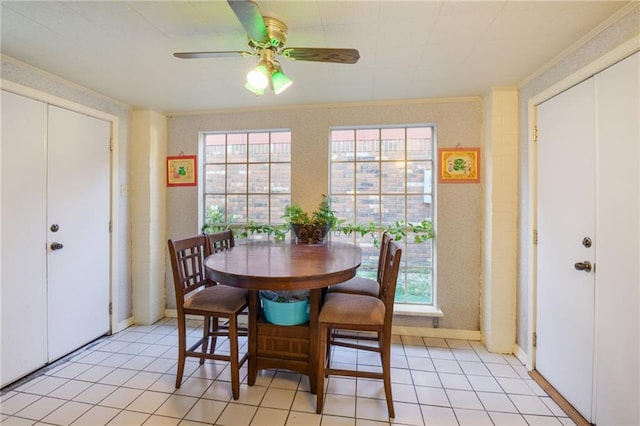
<point>414,49</point>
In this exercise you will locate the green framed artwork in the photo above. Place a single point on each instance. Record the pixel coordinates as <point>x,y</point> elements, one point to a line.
<point>459,165</point>
<point>182,170</point>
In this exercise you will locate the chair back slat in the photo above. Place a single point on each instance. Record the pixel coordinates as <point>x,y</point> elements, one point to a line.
<point>390,278</point>
<point>384,244</point>
<point>220,241</point>
<point>187,262</point>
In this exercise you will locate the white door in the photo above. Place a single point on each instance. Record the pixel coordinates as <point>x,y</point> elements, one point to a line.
<point>78,220</point>
<point>565,219</point>
<point>618,225</point>
<point>23,302</point>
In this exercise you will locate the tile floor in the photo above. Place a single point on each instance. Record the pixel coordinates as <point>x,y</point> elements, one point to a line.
<point>128,379</point>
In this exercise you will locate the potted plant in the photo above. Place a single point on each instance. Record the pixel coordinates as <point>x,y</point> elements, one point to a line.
<point>313,228</point>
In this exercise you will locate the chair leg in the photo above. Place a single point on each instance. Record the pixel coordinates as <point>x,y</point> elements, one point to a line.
<point>206,332</point>
<point>182,348</point>
<point>385,354</point>
<point>214,334</point>
<point>233,352</point>
<point>329,333</point>
<point>323,332</point>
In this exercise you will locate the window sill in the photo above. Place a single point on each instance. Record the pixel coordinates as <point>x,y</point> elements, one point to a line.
<point>417,310</point>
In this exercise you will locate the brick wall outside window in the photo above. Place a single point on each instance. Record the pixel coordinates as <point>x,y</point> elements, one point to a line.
<point>384,175</point>
<point>247,176</point>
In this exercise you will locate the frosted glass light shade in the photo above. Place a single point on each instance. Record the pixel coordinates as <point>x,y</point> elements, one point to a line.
<point>255,90</point>
<point>258,77</point>
<point>280,82</point>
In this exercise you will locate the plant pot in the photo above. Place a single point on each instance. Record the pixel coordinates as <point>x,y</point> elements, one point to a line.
<point>310,234</point>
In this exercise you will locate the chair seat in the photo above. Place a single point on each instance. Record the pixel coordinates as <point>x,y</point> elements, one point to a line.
<point>352,309</point>
<point>357,285</point>
<point>218,298</point>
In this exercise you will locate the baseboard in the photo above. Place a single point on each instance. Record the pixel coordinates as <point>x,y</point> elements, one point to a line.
<point>521,354</point>
<point>443,333</point>
<point>573,414</point>
<point>123,324</point>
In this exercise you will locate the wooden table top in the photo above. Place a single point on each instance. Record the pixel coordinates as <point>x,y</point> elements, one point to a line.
<point>267,265</point>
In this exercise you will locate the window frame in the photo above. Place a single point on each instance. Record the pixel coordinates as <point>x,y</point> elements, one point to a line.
<point>404,307</point>
<point>202,181</point>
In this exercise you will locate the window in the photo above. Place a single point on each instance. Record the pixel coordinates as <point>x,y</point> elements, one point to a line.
<point>385,175</point>
<point>247,176</point>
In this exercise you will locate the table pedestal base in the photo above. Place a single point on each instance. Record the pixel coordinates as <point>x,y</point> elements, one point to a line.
<point>284,347</point>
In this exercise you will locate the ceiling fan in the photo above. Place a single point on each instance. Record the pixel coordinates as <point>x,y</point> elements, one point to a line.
<point>267,38</point>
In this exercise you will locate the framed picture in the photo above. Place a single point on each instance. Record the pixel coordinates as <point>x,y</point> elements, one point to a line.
<point>182,170</point>
<point>459,165</point>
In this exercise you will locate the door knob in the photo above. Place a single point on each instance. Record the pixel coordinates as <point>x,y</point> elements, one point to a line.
<point>56,246</point>
<point>583,266</point>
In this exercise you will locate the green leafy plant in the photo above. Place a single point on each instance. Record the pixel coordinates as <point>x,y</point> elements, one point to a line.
<point>312,227</point>
<point>215,222</point>
<point>296,215</point>
<point>399,230</point>
<point>323,215</point>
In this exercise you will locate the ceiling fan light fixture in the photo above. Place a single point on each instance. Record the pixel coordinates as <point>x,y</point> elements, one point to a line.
<point>259,77</point>
<point>280,82</point>
<point>254,90</point>
<point>267,38</point>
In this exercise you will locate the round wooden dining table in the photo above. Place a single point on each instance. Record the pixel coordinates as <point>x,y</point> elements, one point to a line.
<point>283,266</point>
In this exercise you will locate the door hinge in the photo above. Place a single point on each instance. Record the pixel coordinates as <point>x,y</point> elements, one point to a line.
<point>535,339</point>
<point>110,308</point>
<point>109,226</point>
<point>535,133</point>
<point>535,236</point>
<point>110,144</point>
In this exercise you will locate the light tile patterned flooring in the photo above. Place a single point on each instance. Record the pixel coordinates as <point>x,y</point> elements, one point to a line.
<point>128,379</point>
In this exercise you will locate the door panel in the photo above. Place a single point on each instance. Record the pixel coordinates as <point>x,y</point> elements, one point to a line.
<point>23,262</point>
<point>618,223</point>
<point>565,216</point>
<point>78,203</point>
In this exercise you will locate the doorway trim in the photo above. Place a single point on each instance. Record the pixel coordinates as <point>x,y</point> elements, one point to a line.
<point>613,56</point>
<point>114,235</point>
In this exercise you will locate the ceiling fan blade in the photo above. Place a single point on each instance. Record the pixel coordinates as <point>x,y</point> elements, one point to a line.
<point>205,55</point>
<point>338,56</point>
<point>251,19</point>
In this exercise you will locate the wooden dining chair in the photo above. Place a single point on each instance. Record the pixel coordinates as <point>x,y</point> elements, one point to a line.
<point>196,295</point>
<point>221,240</point>
<point>362,285</point>
<point>360,313</point>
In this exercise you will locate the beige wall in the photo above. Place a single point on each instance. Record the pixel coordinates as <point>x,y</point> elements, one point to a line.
<point>499,225</point>
<point>148,224</point>
<point>457,121</point>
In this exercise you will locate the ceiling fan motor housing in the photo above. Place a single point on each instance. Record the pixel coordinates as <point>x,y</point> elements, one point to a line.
<point>277,31</point>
